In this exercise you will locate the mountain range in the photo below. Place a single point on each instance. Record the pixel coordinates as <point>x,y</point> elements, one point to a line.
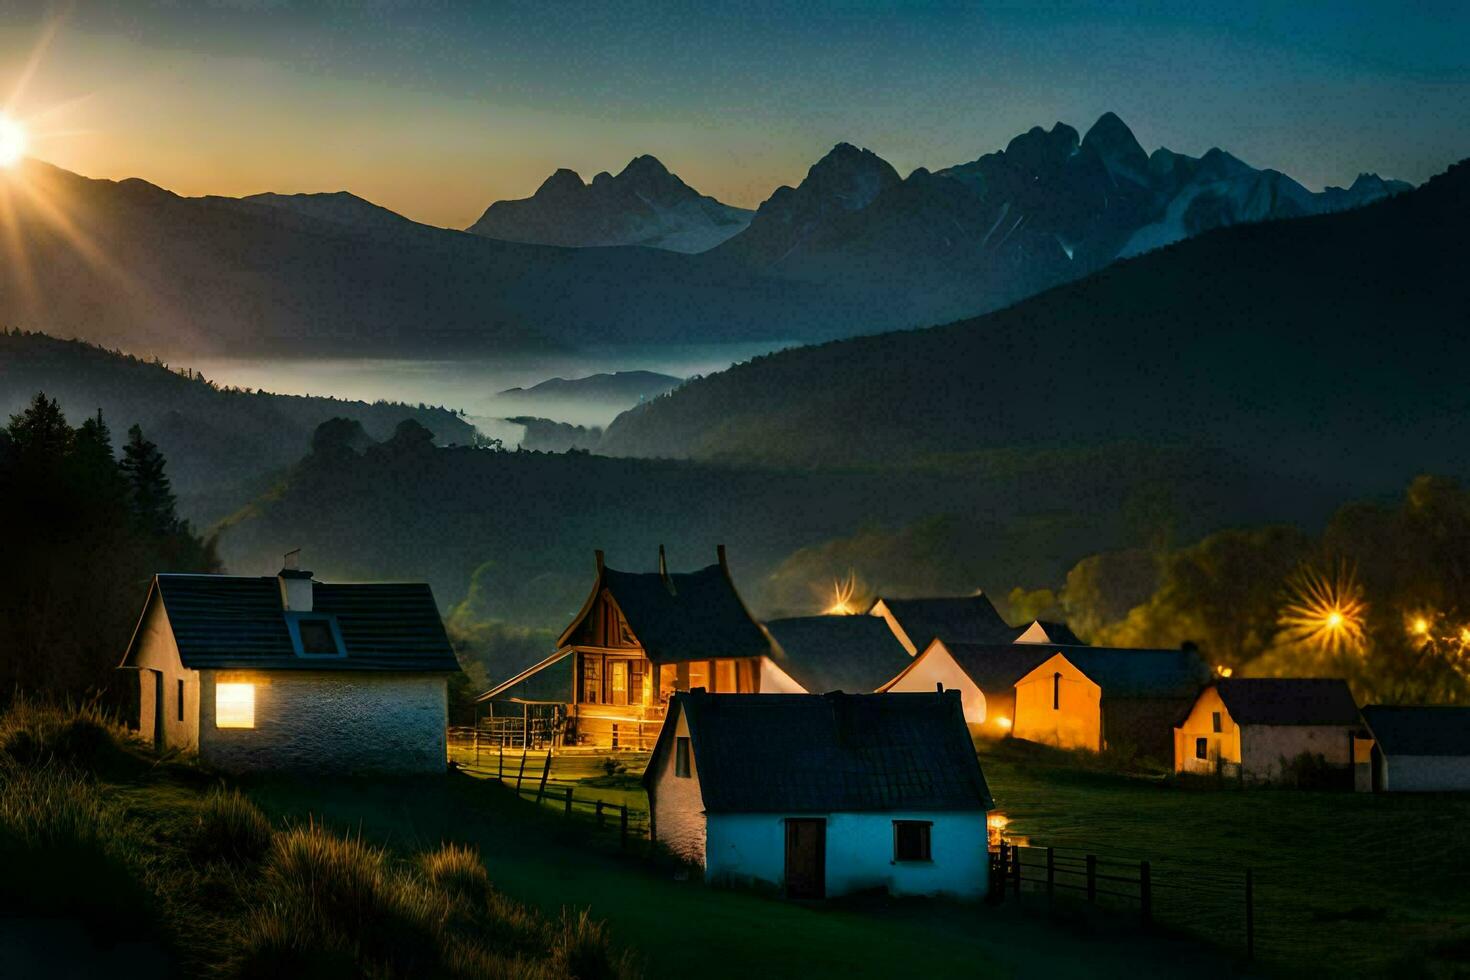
<point>642,205</point>
<point>1310,345</point>
<point>852,249</point>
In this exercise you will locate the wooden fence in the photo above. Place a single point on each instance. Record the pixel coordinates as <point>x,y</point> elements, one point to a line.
<point>1216,903</point>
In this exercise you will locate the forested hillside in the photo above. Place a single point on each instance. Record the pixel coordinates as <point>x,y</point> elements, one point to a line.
<point>224,445</point>
<point>1308,345</point>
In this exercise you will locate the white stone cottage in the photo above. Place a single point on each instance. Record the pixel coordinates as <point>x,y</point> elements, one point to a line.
<point>1419,748</point>
<point>283,672</point>
<point>823,795</point>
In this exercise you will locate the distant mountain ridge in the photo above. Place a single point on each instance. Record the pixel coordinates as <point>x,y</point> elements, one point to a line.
<point>645,204</point>
<point>619,385</point>
<point>1307,345</point>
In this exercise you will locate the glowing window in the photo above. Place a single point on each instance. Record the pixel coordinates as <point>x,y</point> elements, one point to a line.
<point>725,676</point>
<point>699,674</point>
<point>234,706</point>
<point>619,681</point>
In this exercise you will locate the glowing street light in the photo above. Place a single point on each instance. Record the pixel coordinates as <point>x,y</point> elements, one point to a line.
<point>1325,612</point>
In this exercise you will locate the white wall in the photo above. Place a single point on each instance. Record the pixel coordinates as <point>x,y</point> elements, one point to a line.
<point>158,652</point>
<point>774,680</point>
<point>745,847</point>
<point>678,805</point>
<point>1426,773</point>
<point>935,666</point>
<point>333,721</point>
<point>1262,747</point>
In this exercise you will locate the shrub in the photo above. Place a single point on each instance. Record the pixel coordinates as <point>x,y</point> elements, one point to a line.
<point>230,828</point>
<point>584,951</point>
<point>458,872</point>
<point>34,734</point>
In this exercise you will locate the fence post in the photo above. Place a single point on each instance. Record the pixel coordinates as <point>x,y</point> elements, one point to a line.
<point>1250,915</point>
<point>545,772</point>
<point>623,826</point>
<point>599,814</point>
<point>1092,878</point>
<point>569,801</point>
<point>1145,893</point>
<point>522,771</point>
<point>1051,873</point>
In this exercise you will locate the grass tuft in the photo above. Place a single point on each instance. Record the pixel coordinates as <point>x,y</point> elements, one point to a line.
<point>35,734</point>
<point>584,950</point>
<point>231,829</point>
<point>458,872</point>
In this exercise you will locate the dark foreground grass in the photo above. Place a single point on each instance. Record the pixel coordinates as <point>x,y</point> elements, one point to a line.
<point>115,863</point>
<point>679,927</point>
<point>1346,884</point>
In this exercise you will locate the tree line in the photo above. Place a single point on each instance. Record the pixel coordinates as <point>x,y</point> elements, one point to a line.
<point>86,529</point>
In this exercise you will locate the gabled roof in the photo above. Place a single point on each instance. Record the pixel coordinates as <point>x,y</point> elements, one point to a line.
<point>996,668</point>
<point>856,654</point>
<point>536,683</point>
<point>955,619</point>
<point>1126,673</point>
<point>237,622</point>
<point>680,616</point>
<point>1419,730</point>
<point>1288,701</point>
<point>822,753</point>
<point>1047,631</point>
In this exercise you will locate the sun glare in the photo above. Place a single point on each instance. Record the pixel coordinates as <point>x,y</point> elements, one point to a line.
<point>12,142</point>
<point>1323,611</point>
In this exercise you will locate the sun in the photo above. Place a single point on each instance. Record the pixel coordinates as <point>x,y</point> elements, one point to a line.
<point>12,142</point>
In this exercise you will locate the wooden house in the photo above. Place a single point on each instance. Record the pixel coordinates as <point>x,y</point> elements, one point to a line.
<point>823,795</point>
<point>1256,728</point>
<point>284,672</point>
<point>1419,748</point>
<point>638,638</point>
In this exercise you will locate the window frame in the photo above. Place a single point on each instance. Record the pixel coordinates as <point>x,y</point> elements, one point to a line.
<point>179,689</point>
<point>683,758</point>
<point>925,838</point>
<point>1202,748</point>
<point>293,625</point>
<point>1216,722</point>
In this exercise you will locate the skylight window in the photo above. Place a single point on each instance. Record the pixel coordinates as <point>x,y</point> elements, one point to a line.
<point>315,635</point>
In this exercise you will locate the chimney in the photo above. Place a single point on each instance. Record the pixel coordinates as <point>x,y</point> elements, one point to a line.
<point>295,583</point>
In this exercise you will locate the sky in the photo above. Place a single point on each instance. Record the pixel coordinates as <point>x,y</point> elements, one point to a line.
<point>436,109</point>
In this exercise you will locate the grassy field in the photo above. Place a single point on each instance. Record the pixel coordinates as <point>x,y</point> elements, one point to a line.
<point>1371,884</point>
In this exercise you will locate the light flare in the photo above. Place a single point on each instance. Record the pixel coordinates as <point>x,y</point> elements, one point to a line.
<point>13,142</point>
<point>844,597</point>
<point>1325,611</point>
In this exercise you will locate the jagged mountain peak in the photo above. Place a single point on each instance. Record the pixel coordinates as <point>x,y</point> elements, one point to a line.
<point>561,182</point>
<point>645,165</point>
<point>1114,143</point>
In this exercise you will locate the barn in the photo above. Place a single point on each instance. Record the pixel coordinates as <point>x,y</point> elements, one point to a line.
<point>1257,728</point>
<point>823,795</point>
<point>1419,748</point>
<point>286,673</point>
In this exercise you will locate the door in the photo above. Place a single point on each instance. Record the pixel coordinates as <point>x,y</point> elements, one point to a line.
<point>806,858</point>
<point>160,715</point>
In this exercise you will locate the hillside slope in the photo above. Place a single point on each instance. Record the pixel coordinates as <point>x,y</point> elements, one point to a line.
<point>223,445</point>
<point>1317,344</point>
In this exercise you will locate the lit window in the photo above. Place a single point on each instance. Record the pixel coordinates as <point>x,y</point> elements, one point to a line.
<point>725,676</point>
<point>234,706</point>
<point>619,681</point>
<point>699,674</point>
<point>681,757</point>
<point>911,840</point>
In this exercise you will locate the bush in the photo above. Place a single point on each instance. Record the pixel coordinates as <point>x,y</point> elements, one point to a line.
<point>34,734</point>
<point>584,951</point>
<point>230,828</point>
<point>458,872</point>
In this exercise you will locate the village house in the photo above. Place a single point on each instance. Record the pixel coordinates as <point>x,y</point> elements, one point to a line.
<point>1419,748</point>
<point>640,637</point>
<point>855,654</point>
<point>1046,631</point>
<point>955,619</point>
<point>823,795</point>
<point>1070,697</point>
<point>284,672</point>
<point>1255,729</point>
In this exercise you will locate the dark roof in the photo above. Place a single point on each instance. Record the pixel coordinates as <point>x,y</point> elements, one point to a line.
<point>855,654</point>
<point>1055,632</point>
<point>1288,701</point>
<point>1125,673</point>
<point>959,619</point>
<point>994,667</point>
<point>237,622</point>
<point>537,682</point>
<point>686,615</point>
<point>1419,730</point>
<point>815,753</point>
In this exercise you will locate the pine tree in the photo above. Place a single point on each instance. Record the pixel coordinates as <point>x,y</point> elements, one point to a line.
<point>40,433</point>
<point>152,496</point>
